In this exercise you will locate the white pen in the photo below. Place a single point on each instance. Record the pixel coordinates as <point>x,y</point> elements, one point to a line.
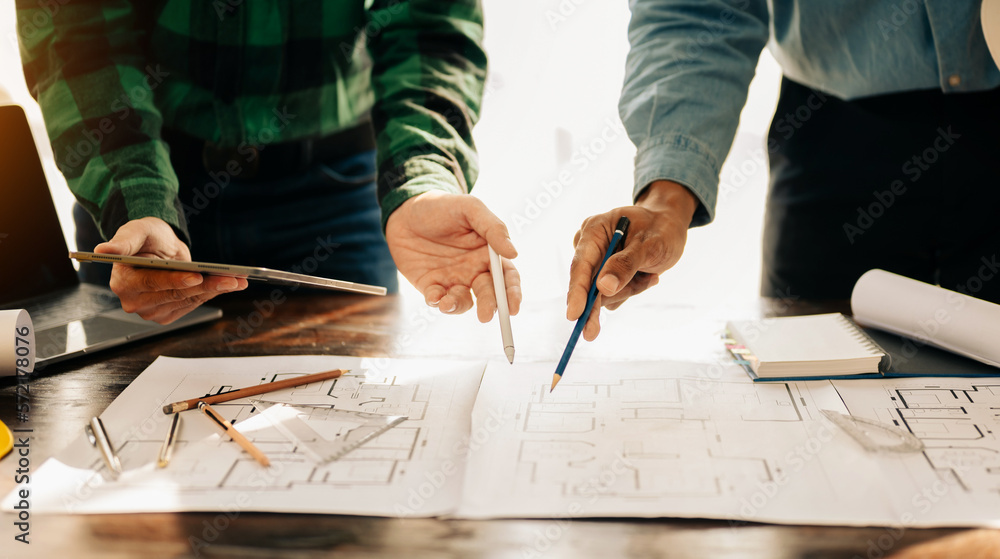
<point>500,287</point>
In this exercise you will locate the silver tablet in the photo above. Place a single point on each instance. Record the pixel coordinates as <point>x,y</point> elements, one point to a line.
<point>249,272</point>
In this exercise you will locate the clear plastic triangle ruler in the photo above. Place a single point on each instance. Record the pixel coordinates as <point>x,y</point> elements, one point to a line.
<point>875,436</point>
<point>322,432</point>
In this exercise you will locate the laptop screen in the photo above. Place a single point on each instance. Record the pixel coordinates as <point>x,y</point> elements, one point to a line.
<point>33,253</point>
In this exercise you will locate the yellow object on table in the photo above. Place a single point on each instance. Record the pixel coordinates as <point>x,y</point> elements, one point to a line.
<point>6,440</point>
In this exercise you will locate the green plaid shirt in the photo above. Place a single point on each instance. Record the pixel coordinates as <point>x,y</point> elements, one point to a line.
<point>109,74</point>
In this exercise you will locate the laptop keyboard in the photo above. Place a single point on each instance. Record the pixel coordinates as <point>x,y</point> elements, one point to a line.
<point>73,304</point>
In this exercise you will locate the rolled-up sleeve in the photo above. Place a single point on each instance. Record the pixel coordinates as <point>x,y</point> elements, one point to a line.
<point>686,81</point>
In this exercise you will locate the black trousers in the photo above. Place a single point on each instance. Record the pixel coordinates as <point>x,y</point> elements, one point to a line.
<point>904,182</point>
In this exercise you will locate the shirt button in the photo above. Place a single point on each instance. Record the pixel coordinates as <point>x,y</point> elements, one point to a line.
<point>954,80</point>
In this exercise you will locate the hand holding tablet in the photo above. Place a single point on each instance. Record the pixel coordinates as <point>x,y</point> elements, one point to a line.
<point>248,272</point>
<point>157,280</point>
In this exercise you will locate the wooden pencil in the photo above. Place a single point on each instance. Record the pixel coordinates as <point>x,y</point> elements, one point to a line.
<point>237,437</point>
<point>251,391</point>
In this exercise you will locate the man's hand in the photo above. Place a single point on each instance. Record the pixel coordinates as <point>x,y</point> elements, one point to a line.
<point>657,233</point>
<point>159,295</point>
<point>439,243</point>
<point>970,544</point>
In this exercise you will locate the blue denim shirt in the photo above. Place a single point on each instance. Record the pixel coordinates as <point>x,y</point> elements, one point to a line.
<point>691,63</point>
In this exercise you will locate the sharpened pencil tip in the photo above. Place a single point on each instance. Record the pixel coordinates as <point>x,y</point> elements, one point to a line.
<point>509,352</point>
<point>555,381</point>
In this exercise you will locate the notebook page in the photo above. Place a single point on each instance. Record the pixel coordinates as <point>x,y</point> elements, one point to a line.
<point>823,337</point>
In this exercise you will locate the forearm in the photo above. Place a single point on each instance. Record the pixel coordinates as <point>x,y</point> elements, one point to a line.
<point>669,195</point>
<point>428,76</point>
<point>687,75</point>
<point>86,69</point>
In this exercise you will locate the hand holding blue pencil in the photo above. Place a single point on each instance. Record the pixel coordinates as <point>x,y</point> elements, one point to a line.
<point>617,241</point>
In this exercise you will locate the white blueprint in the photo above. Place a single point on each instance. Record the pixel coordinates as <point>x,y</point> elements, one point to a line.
<point>209,472</point>
<point>690,440</point>
<point>956,478</point>
<point>614,439</point>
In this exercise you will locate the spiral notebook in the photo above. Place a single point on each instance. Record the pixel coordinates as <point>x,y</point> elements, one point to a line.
<point>819,346</point>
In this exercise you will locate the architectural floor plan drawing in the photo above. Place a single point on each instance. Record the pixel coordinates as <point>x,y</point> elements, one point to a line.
<point>635,439</point>
<point>659,466</point>
<point>958,420</point>
<point>209,471</point>
<point>688,440</point>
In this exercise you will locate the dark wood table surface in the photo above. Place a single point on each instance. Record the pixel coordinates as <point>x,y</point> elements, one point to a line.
<point>65,395</point>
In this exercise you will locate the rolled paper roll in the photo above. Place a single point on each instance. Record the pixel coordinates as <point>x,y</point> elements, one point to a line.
<point>17,343</point>
<point>928,313</point>
<point>990,17</point>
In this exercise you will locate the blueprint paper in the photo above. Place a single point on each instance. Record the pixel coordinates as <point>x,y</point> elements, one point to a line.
<point>955,480</point>
<point>209,472</point>
<point>635,439</point>
<point>690,440</point>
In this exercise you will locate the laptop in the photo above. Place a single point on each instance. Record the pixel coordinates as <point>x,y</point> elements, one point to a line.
<point>71,318</point>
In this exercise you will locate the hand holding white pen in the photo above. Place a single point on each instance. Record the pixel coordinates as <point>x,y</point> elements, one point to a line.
<point>500,288</point>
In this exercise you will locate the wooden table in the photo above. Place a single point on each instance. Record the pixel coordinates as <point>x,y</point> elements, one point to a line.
<point>64,396</point>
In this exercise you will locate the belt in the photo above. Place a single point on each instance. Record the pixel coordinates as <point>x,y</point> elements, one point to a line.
<point>262,162</point>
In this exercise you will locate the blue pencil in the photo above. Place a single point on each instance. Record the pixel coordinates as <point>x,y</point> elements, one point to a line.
<point>617,240</point>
